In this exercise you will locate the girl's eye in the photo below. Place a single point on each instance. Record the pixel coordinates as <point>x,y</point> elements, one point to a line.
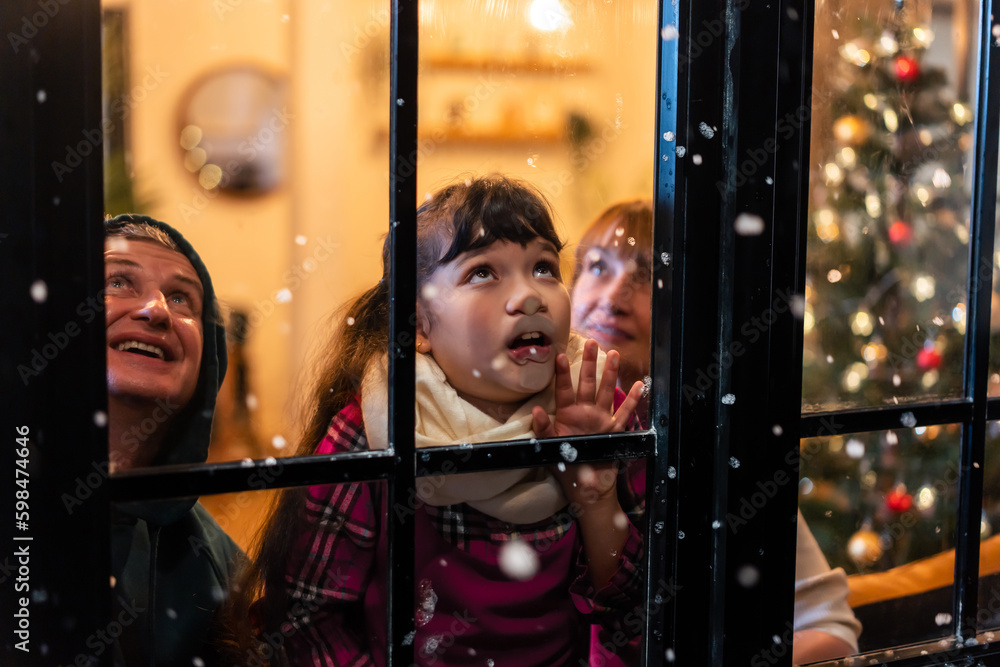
<point>546,270</point>
<point>480,274</point>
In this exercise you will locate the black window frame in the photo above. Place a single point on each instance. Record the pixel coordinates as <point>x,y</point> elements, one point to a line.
<point>697,612</point>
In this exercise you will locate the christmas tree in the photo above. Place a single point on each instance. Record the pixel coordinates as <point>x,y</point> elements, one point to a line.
<point>886,287</point>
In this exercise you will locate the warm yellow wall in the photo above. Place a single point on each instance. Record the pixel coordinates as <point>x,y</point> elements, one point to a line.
<point>336,194</point>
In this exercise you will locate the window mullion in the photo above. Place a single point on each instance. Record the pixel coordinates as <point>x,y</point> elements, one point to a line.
<point>402,307</point>
<point>981,247</point>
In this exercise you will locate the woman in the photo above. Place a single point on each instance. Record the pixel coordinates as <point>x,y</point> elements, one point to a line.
<point>611,302</point>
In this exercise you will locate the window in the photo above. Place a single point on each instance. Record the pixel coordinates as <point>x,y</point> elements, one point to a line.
<point>730,429</point>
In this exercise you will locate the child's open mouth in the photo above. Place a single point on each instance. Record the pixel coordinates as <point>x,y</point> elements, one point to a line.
<point>530,346</point>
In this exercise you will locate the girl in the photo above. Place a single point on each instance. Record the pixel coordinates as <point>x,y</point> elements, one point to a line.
<point>496,361</point>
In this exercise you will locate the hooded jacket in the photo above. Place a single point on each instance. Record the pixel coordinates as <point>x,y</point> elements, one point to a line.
<point>171,562</point>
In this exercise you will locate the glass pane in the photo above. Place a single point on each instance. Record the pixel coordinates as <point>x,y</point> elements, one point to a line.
<point>989,547</point>
<point>994,382</point>
<point>889,203</point>
<point>234,132</point>
<point>882,506</point>
<point>545,93</point>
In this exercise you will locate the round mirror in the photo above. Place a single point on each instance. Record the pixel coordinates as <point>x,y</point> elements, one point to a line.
<point>233,125</point>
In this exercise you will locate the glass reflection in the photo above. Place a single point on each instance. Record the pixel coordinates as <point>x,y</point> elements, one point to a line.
<point>882,506</point>
<point>889,203</point>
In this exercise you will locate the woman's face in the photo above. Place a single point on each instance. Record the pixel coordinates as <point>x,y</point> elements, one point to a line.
<point>611,304</point>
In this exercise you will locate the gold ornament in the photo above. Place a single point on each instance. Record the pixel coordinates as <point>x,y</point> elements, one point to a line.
<point>851,130</point>
<point>863,548</point>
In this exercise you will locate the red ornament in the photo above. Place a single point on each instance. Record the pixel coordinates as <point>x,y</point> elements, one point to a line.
<point>899,500</point>
<point>907,69</point>
<point>900,233</point>
<point>928,359</point>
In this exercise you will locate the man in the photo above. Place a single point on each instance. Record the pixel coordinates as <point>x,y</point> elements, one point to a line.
<point>171,562</point>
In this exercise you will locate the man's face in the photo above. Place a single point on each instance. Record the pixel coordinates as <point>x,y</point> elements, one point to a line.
<point>153,301</point>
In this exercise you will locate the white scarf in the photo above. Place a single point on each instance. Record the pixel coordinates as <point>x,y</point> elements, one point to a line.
<point>524,495</point>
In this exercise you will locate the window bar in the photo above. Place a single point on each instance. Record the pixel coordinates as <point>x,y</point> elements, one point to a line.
<point>659,568</point>
<point>884,418</point>
<point>402,308</point>
<point>982,233</point>
<point>660,521</point>
<point>693,627</point>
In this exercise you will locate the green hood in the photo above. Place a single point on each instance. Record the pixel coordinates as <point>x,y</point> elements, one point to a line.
<point>190,432</point>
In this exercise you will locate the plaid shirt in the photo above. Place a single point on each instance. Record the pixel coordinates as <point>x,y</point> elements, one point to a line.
<point>337,568</point>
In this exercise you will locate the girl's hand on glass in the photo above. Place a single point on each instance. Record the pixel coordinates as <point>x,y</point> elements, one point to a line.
<point>588,409</point>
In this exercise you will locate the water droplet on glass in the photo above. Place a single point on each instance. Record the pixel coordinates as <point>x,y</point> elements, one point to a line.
<point>39,291</point>
<point>41,96</point>
<point>568,452</point>
<point>748,224</point>
<point>665,157</point>
<point>668,136</point>
<point>729,399</point>
<point>427,601</point>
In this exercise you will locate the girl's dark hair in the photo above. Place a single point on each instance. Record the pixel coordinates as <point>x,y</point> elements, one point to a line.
<point>465,216</point>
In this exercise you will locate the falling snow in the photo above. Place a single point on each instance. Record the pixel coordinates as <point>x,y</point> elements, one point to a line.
<point>568,452</point>
<point>734,462</point>
<point>908,420</point>
<point>706,131</point>
<point>39,291</point>
<point>748,224</point>
<point>748,576</point>
<point>517,560</point>
<point>729,399</point>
